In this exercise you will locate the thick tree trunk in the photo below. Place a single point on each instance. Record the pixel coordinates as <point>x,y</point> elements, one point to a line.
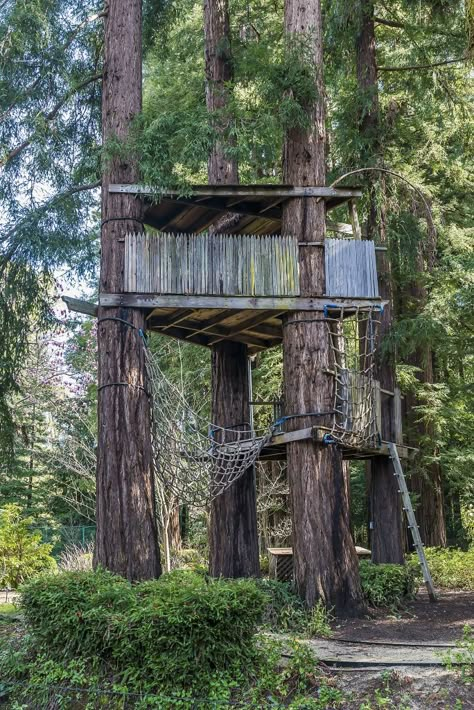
<point>233,531</point>
<point>386,537</point>
<point>126,541</point>
<point>324,556</point>
<point>218,68</point>
<point>426,483</point>
<point>233,526</point>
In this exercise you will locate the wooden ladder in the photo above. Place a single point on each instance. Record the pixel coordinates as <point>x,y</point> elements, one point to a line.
<point>413,527</point>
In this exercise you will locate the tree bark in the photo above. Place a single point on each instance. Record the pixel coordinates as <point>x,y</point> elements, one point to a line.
<point>386,537</point>
<point>325,560</point>
<point>127,539</point>
<point>233,537</point>
<point>425,479</point>
<point>222,168</point>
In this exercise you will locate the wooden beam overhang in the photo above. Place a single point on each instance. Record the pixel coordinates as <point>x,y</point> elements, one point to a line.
<point>232,191</point>
<point>79,306</point>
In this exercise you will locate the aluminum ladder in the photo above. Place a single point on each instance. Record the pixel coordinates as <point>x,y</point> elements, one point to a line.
<point>413,527</point>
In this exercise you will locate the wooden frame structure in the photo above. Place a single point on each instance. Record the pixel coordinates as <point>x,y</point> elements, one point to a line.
<point>181,300</point>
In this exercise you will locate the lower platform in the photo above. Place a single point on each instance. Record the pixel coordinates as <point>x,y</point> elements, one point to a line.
<point>275,449</point>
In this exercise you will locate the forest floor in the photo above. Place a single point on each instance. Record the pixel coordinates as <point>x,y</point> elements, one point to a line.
<point>397,660</point>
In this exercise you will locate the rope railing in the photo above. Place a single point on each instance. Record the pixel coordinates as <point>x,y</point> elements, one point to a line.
<point>353,343</point>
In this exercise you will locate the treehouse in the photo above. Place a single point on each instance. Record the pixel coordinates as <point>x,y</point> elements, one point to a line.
<point>217,268</point>
<point>214,266</point>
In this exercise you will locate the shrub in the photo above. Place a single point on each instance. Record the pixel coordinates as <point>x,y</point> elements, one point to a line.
<point>451,568</point>
<point>177,632</point>
<point>285,611</point>
<point>22,554</point>
<point>387,585</point>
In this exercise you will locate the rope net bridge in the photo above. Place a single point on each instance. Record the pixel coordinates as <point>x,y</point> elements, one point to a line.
<point>197,461</point>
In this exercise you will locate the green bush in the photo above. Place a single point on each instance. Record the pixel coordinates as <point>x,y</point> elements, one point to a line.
<point>22,553</point>
<point>388,585</point>
<point>285,611</point>
<point>451,568</point>
<point>177,631</point>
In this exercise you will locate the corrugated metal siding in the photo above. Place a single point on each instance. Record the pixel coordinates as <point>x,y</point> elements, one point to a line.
<point>351,269</point>
<point>211,264</point>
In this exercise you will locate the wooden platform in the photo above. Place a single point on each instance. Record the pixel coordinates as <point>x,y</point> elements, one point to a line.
<point>205,320</point>
<point>275,450</point>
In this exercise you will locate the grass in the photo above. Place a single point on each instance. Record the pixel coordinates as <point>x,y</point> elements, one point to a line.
<point>8,609</point>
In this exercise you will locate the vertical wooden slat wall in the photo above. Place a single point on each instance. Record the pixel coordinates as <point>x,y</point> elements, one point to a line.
<point>211,264</point>
<point>351,269</point>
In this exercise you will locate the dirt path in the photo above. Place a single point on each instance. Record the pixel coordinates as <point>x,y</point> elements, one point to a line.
<point>419,622</point>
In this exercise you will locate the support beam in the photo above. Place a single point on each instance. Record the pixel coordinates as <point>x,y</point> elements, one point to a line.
<point>79,306</point>
<point>254,303</point>
<point>286,191</point>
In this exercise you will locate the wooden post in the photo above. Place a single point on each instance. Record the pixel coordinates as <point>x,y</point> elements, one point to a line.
<point>233,537</point>
<point>126,540</point>
<point>324,555</point>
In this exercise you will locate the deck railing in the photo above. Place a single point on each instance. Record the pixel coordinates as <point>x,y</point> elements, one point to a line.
<point>242,265</point>
<point>211,264</point>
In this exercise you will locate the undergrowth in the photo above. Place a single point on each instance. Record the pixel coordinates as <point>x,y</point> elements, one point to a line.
<point>286,612</point>
<point>95,640</point>
<point>388,585</point>
<point>462,658</point>
<point>451,568</point>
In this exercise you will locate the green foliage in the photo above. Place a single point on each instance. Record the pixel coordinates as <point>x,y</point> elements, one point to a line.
<point>451,568</point>
<point>387,585</point>
<point>296,683</point>
<point>290,682</point>
<point>463,656</point>
<point>22,554</point>
<point>173,633</point>
<point>285,611</point>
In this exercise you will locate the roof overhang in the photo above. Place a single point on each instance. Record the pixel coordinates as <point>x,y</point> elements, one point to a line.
<point>242,209</point>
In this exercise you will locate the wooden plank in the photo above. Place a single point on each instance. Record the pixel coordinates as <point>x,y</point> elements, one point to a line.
<point>251,323</point>
<point>397,416</point>
<point>355,220</point>
<point>189,331</point>
<point>79,306</point>
<point>241,190</point>
<point>292,303</point>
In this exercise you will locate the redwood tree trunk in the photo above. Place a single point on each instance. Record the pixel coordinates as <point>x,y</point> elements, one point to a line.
<point>233,529</point>
<point>233,537</point>
<point>425,479</point>
<point>325,560</point>
<point>386,537</point>
<point>126,541</point>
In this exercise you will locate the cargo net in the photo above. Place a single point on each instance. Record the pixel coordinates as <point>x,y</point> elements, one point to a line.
<point>353,336</point>
<point>195,461</point>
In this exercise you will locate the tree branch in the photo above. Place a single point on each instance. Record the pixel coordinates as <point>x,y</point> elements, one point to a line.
<point>403,26</point>
<point>49,117</point>
<point>414,67</point>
